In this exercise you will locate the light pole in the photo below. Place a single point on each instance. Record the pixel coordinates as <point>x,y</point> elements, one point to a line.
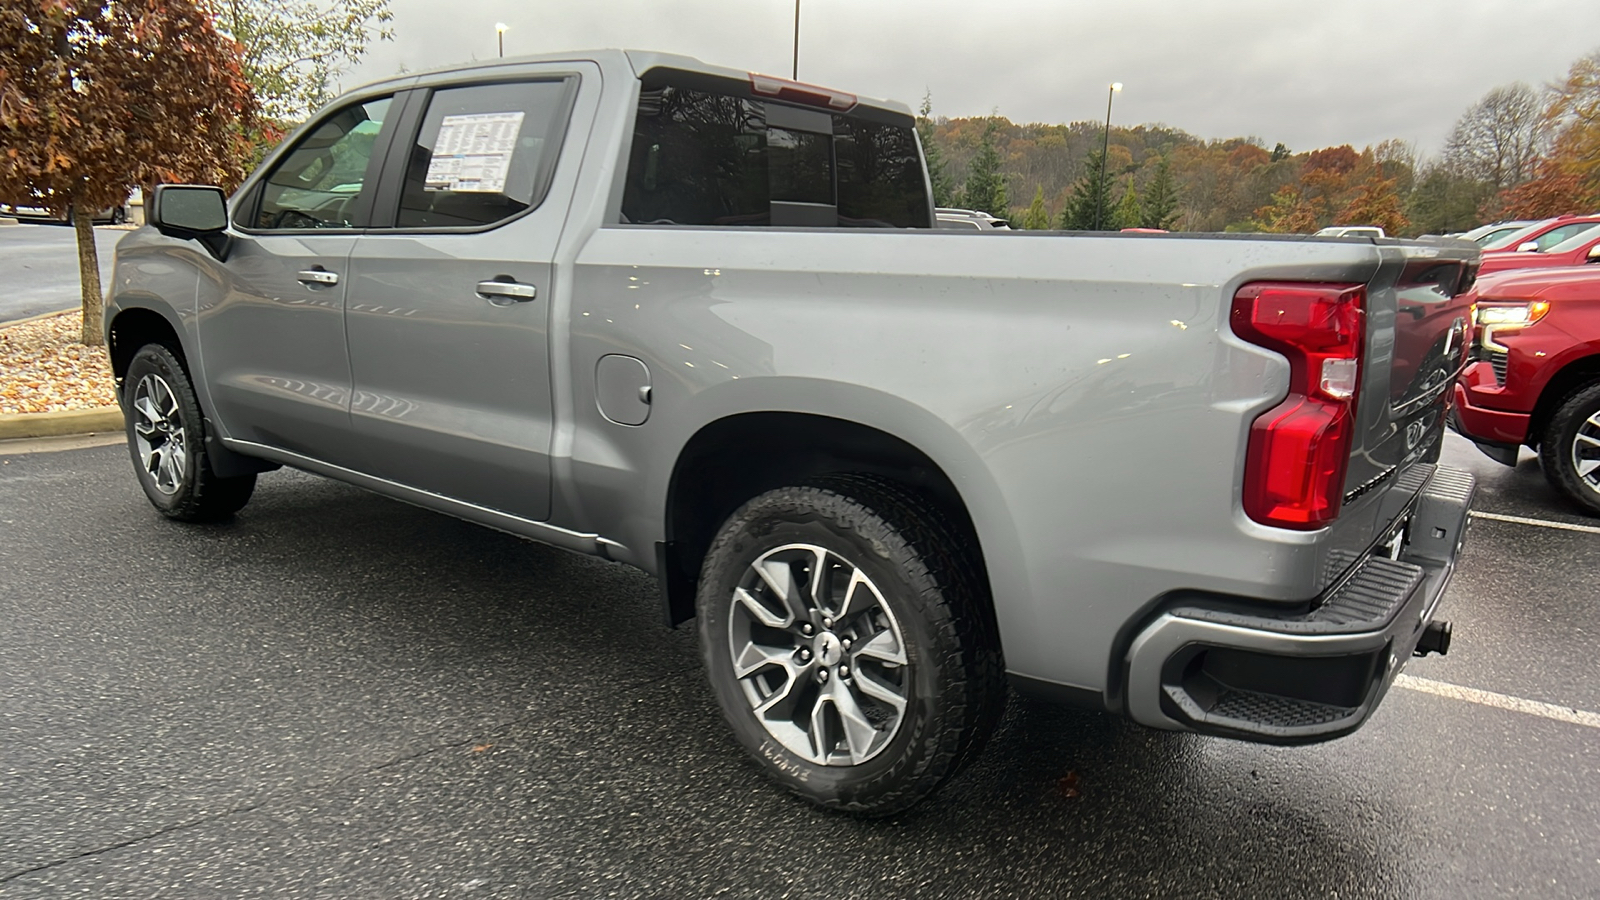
<point>795,75</point>
<point>1105,147</point>
<point>500,38</point>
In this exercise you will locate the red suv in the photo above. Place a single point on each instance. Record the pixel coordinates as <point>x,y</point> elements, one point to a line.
<point>1535,375</point>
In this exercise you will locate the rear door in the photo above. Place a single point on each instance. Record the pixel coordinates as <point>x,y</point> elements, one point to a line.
<point>448,311</point>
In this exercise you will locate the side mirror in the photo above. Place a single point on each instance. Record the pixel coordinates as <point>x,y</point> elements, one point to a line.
<point>192,212</point>
<point>1528,247</point>
<point>1594,253</point>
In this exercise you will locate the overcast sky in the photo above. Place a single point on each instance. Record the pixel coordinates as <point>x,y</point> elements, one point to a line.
<point>1309,73</point>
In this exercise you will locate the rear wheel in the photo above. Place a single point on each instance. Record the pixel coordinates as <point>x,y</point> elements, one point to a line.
<point>1569,449</point>
<point>166,438</point>
<point>846,636</point>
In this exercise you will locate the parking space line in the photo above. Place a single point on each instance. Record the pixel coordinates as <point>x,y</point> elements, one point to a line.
<point>1499,701</point>
<point>1542,523</point>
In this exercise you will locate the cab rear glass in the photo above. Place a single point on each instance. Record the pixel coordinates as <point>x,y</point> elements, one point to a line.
<point>707,151</point>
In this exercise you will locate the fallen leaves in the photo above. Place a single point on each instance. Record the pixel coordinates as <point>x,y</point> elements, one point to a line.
<point>1068,785</point>
<point>43,368</point>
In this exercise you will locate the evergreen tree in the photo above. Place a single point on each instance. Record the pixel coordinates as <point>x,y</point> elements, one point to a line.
<point>985,189</point>
<point>1128,211</point>
<point>1160,205</point>
<point>1037,218</point>
<point>1280,152</point>
<point>944,188</point>
<point>1090,200</point>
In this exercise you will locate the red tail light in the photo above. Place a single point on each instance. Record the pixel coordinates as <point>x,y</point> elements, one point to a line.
<point>1299,450</point>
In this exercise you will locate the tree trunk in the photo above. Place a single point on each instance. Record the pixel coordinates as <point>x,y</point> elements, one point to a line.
<point>89,276</point>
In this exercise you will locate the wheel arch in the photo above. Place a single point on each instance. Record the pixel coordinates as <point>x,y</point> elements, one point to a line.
<point>742,453</point>
<point>1570,377</point>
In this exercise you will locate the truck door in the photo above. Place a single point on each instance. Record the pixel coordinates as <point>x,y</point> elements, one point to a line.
<point>449,299</point>
<point>271,323</point>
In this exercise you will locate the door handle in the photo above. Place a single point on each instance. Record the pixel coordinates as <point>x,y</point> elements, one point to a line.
<point>515,290</point>
<point>316,276</point>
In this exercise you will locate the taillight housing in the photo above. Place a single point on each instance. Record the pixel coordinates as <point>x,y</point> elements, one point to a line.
<point>1299,450</point>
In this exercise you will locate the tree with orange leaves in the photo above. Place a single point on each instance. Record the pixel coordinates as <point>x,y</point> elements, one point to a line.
<point>97,96</point>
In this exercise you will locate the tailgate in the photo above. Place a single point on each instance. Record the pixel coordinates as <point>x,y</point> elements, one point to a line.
<point>1418,330</point>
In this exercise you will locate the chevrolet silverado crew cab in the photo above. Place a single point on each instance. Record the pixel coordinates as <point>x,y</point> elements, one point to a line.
<point>700,322</point>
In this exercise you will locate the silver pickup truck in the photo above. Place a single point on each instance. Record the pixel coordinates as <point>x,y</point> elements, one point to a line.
<point>699,321</point>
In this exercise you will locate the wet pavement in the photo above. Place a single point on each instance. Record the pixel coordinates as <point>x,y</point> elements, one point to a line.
<point>337,695</point>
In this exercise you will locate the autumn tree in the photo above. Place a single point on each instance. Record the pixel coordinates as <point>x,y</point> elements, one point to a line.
<point>1290,212</point>
<point>1574,117</point>
<point>96,96</point>
<point>1497,139</point>
<point>1376,202</point>
<point>1553,191</point>
<point>938,177</point>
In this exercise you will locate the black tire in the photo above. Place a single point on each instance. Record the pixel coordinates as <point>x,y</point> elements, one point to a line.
<point>169,449</point>
<point>936,601</point>
<point>1568,437</point>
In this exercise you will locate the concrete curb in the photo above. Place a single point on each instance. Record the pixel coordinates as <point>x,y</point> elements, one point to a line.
<point>49,315</point>
<point>54,424</point>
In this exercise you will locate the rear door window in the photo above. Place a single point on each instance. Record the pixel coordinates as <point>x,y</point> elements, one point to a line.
<point>706,152</point>
<point>484,153</point>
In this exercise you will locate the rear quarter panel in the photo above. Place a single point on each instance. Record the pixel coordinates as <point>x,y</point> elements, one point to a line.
<point>1083,394</point>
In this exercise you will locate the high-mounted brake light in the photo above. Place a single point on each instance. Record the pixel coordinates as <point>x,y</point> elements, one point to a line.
<point>808,94</point>
<point>1300,449</point>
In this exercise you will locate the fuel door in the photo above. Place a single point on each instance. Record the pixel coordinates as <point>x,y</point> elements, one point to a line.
<point>622,389</point>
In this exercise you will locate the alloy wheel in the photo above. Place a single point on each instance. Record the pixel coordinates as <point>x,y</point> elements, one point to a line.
<point>158,434</point>
<point>1586,453</point>
<point>819,655</point>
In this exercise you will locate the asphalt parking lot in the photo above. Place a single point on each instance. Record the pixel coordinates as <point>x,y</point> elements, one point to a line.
<point>337,695</point>
<point>39,267</point>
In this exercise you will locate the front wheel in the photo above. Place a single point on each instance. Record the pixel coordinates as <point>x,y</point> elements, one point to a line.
<point>846,635</point>
<point>1569,449</point>
<point>166,438</point>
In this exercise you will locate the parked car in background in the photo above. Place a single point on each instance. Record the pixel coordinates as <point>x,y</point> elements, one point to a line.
<point>1351,231</point>
<point>968,220</point>
<point>1581,248</point>
<point>1542,235</point>
<point>1535,376</point>
<point>623,303</point>
<point>1485,235</point>
<point>115,215</point>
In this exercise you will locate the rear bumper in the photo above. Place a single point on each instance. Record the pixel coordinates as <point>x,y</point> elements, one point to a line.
<point>1489,426</point>
<point>1310,677</point>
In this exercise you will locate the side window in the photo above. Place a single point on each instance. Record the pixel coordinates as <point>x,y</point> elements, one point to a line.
<point>704,154</point>
<point>484,153</point>
<point>1556,235</point>
<point>318,183</point>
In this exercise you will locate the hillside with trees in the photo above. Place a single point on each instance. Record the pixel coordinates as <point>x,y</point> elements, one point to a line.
<point>1519,152</point>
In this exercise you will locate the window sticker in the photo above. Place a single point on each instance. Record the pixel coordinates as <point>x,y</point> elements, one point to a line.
<point>473,152</point>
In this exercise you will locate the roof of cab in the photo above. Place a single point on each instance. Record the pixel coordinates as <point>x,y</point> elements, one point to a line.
<point>638,61</point>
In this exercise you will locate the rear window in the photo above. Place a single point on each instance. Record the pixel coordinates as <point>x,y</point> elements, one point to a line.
<point>707,152</point>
